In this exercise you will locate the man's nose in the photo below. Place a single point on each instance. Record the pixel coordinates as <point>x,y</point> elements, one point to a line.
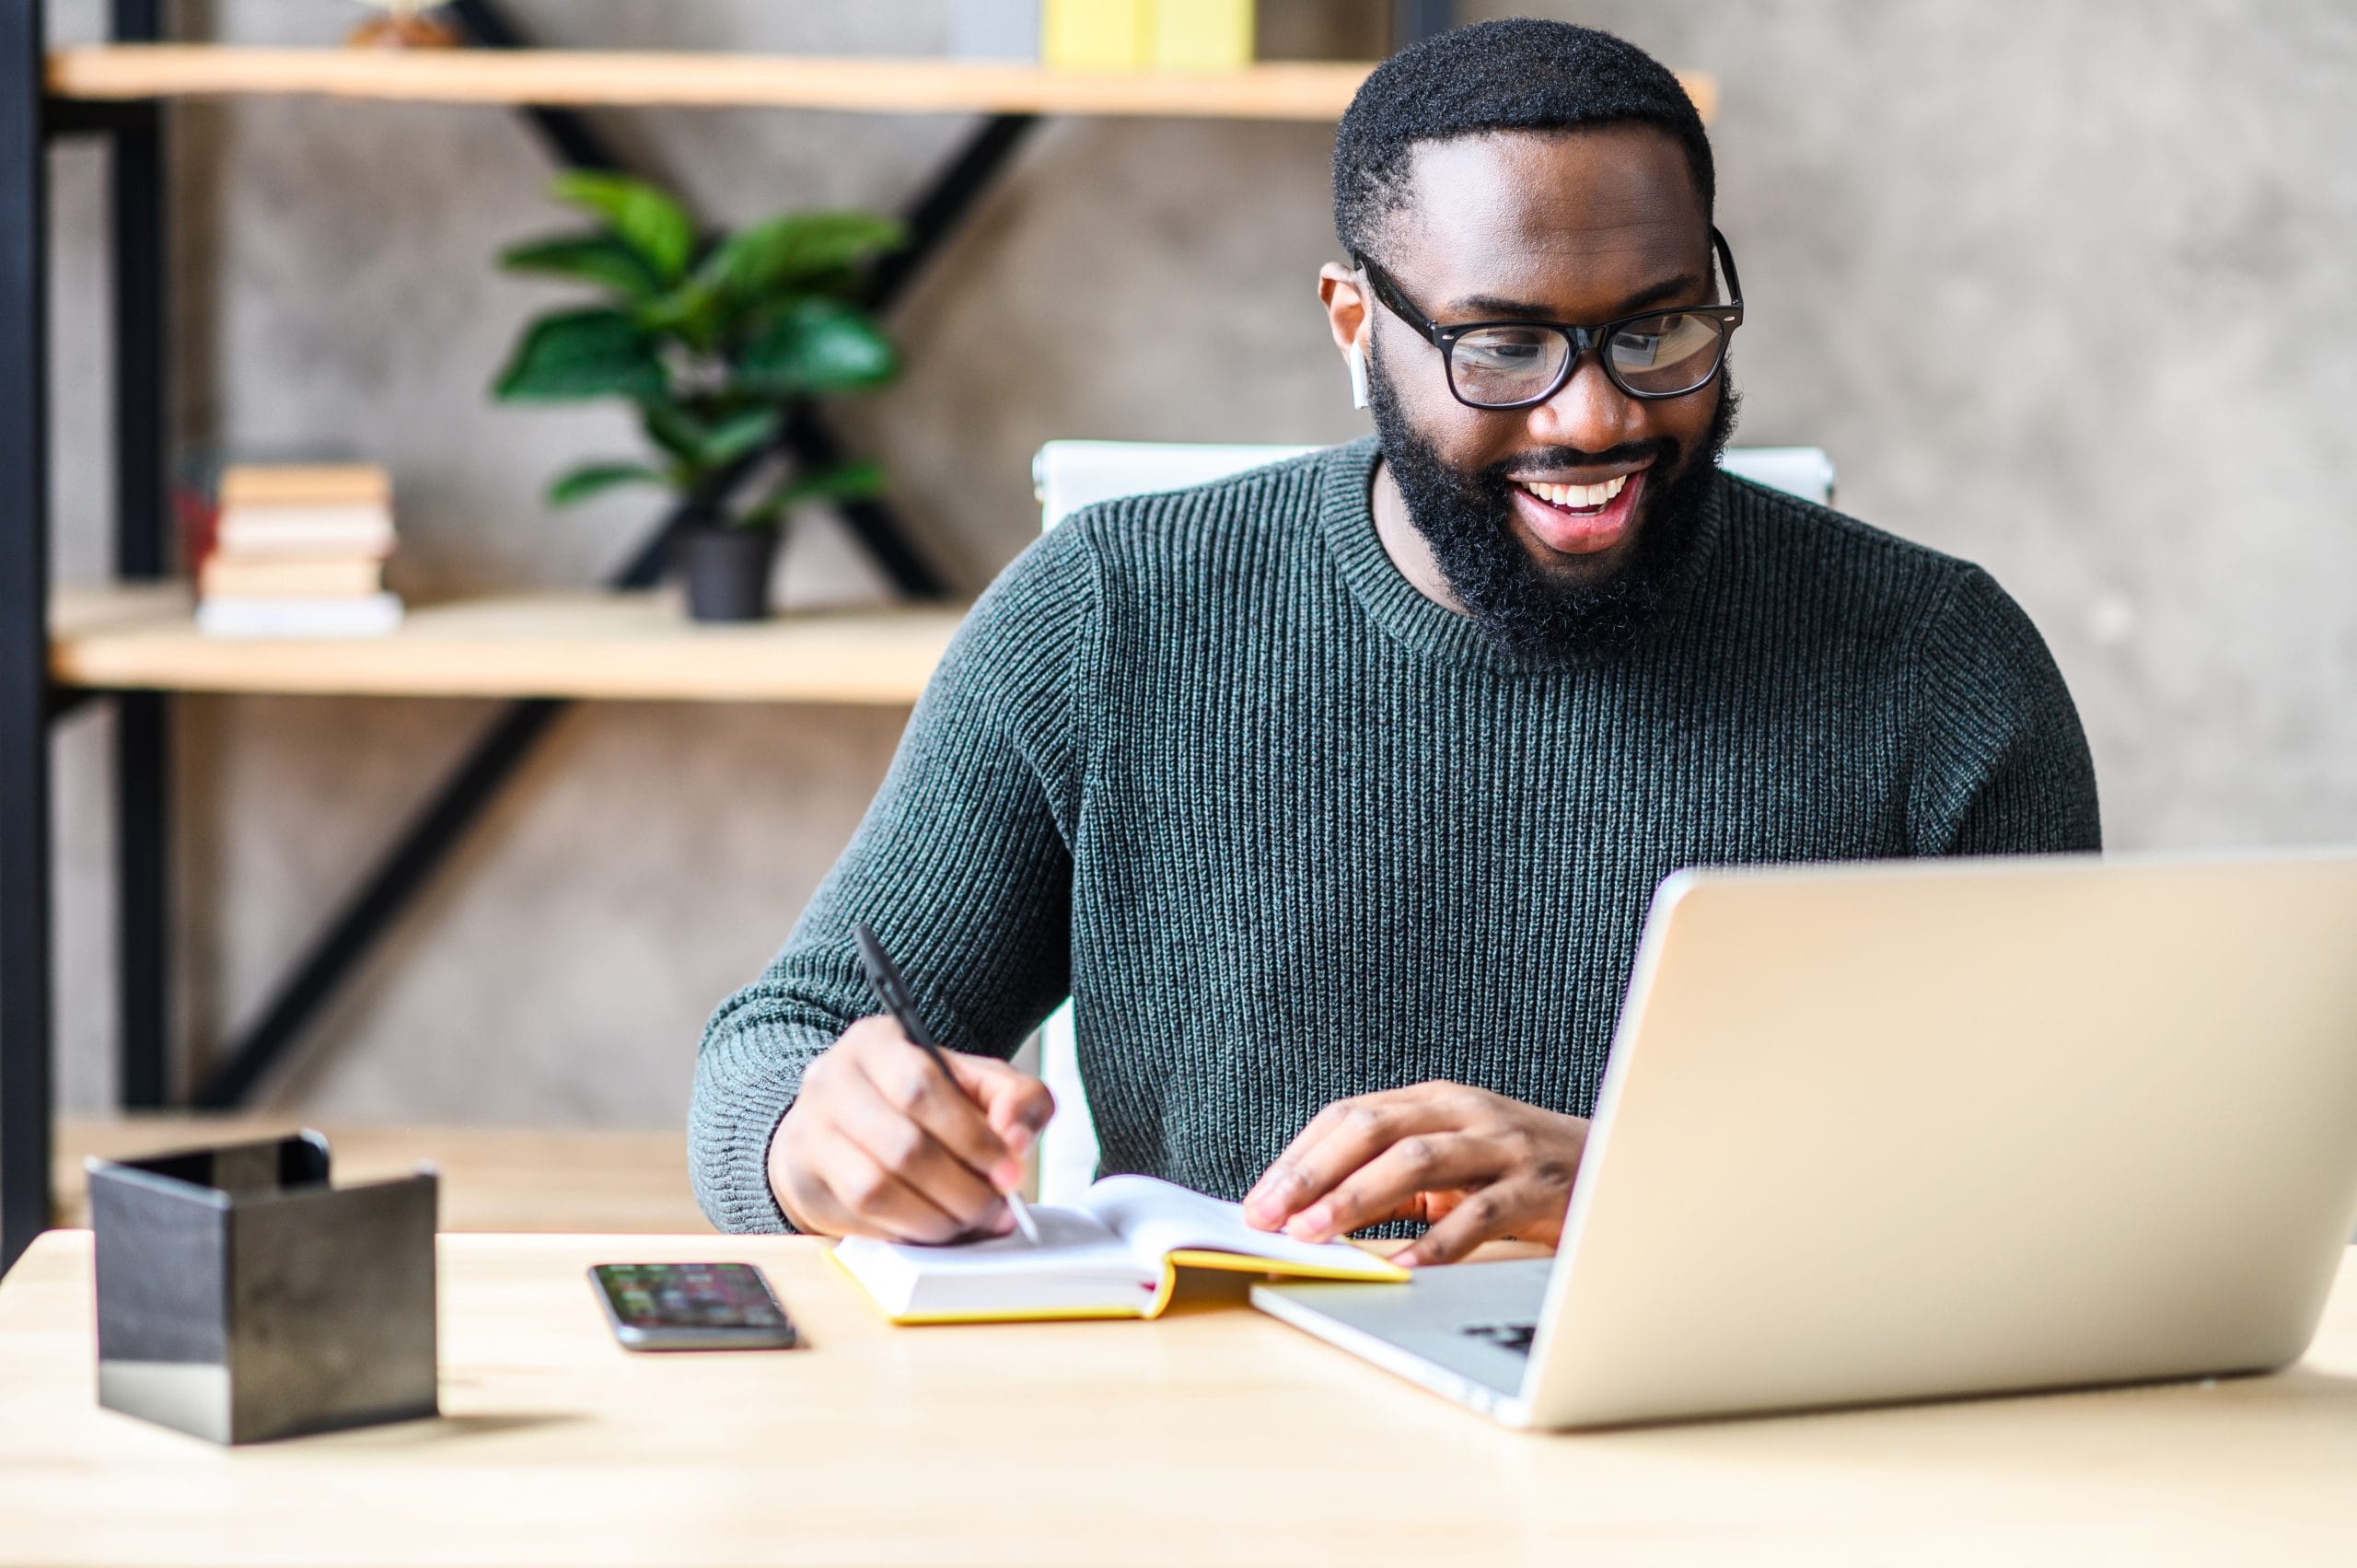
<point>1587,412</point>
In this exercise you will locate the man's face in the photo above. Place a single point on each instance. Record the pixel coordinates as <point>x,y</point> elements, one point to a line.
<point>1582,227</point>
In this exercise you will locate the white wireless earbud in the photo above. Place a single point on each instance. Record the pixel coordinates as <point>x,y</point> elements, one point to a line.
<point>1356,358</point>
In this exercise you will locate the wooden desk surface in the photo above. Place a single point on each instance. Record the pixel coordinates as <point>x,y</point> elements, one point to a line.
<point>1215,1435</point>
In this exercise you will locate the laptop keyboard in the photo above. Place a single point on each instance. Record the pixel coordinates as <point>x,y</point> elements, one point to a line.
<point>1515,1337</point>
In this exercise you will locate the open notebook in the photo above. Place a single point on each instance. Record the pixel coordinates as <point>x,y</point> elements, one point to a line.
<point>1116,1254</point>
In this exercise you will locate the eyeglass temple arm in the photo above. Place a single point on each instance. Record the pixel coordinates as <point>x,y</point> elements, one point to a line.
<point>1399,304</point>
<point>1726,267</point>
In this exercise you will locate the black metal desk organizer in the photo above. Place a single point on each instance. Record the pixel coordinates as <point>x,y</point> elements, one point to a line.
<point>241,1298</point>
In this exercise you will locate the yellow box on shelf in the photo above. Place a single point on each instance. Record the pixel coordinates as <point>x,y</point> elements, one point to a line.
<point>1202,35</point>
<point>1097,35</point>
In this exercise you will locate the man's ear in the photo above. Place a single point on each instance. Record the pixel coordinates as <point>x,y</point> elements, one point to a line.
<point>1344,296</point>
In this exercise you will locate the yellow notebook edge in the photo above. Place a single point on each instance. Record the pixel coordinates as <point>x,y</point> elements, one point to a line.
<point>1379,1270</point>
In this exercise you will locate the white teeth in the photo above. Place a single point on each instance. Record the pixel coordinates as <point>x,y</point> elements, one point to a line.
<point>1580,496</point>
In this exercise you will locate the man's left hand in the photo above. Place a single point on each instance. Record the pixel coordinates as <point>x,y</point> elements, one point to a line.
<point>1474,1165</point>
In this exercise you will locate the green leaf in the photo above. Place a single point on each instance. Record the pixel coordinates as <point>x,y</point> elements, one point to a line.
<point>820,345</point>
<point>694,312</point>
<point>738,436</point>
<point>862,480</point>
<point>581,353</point>
<point>843,481</point>
<point>587,257</point>
<point>643,217</point>
<point>672,428</point>
<point>799,248</point>
<point>706,442</point>
<point>590,479</point>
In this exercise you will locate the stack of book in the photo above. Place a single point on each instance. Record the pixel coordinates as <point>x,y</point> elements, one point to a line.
<point>1108,35</point>
<point>298,550</point>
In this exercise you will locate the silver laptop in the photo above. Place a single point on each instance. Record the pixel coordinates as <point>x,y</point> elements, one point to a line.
<point>1898,1132</point>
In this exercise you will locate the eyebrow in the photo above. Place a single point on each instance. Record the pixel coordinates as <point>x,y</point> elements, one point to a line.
<point>1493,307</point>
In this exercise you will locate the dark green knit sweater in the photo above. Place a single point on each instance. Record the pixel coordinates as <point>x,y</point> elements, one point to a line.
<point>1288,830</point>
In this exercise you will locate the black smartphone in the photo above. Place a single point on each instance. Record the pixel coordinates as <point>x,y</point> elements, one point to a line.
<point>691,1306</point>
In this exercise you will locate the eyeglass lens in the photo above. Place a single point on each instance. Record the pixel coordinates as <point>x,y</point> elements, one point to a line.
<point>1655,355</point>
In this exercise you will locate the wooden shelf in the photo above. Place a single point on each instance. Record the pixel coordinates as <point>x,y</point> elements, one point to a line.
<point>1275,91</point>
<point>495,1179</point>
<point>618,647</point>
<point>1313,90</point>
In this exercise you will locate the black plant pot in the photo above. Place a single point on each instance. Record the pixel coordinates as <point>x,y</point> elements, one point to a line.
<point>727,572</point>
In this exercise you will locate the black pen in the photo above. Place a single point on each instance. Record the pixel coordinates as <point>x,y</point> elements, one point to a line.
<point>893,992</point>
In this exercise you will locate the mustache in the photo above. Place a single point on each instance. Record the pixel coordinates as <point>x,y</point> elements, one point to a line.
<point>1661,451</point>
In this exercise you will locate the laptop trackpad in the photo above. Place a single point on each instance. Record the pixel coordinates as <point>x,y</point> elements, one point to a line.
<point>1469,1319</point>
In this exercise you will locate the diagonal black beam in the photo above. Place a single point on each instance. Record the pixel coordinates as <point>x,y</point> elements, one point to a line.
<point>400,876</point>
<point>569,137</point>
<point>941,206</point>
<point>813,447</point>
<point>428,839</point>
<point>933,217</point>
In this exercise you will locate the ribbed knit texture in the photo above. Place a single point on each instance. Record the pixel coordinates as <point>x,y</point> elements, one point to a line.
<point>1288,830</point>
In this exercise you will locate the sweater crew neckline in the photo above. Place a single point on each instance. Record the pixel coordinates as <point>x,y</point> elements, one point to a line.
<point>1346,515</point>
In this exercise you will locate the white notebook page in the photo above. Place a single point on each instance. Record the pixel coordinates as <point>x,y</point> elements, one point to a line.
<point>1156,1218</point>
<point>1079,1265</point>
<point>1103,1254</point>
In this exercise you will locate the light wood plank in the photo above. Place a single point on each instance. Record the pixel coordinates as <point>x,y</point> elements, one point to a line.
<point>1275,91</point>
<point>1213,1436</point>
<point>586,645</point>
<point>1311,90</point>
<point>494,1179</point>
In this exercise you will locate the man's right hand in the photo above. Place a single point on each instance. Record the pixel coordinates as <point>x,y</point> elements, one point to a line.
<point>879,1144</point>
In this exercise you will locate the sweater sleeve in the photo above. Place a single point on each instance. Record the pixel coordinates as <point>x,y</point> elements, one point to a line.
<point>962,865</point>
<point>2001,765</point>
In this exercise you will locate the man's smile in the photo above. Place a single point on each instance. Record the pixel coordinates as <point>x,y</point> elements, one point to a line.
<point>1584,518</point>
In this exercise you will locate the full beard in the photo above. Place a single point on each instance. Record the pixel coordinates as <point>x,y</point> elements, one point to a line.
<point>1527,613</point>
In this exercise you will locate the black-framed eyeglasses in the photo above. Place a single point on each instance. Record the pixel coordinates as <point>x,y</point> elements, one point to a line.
<point>1508,364</point>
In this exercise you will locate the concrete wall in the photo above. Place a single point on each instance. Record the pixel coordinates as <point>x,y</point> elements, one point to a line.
<point>2064,288</point>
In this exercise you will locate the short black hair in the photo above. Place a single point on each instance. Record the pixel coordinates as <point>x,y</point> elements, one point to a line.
<point>1522,75</point>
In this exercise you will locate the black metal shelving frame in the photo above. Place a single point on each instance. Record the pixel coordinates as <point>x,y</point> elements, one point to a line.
<point>134,133</point>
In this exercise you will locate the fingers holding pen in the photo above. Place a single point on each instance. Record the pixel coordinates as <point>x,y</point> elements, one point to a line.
<point>874,1198</point>
<point>829,1184</point>
<point>880,1142</point>
<point>906,1146</point>
<point>1016,1106</point>
<point>1003,1125</point>
<point>937,1116</point>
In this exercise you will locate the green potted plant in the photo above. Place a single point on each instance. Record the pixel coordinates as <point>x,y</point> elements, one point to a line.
<point>715,341</point>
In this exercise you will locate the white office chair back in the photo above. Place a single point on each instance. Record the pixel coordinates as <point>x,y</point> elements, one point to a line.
<point>1069,475</point>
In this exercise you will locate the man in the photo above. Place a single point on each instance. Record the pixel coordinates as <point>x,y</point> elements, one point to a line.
<point>1335,794</point>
